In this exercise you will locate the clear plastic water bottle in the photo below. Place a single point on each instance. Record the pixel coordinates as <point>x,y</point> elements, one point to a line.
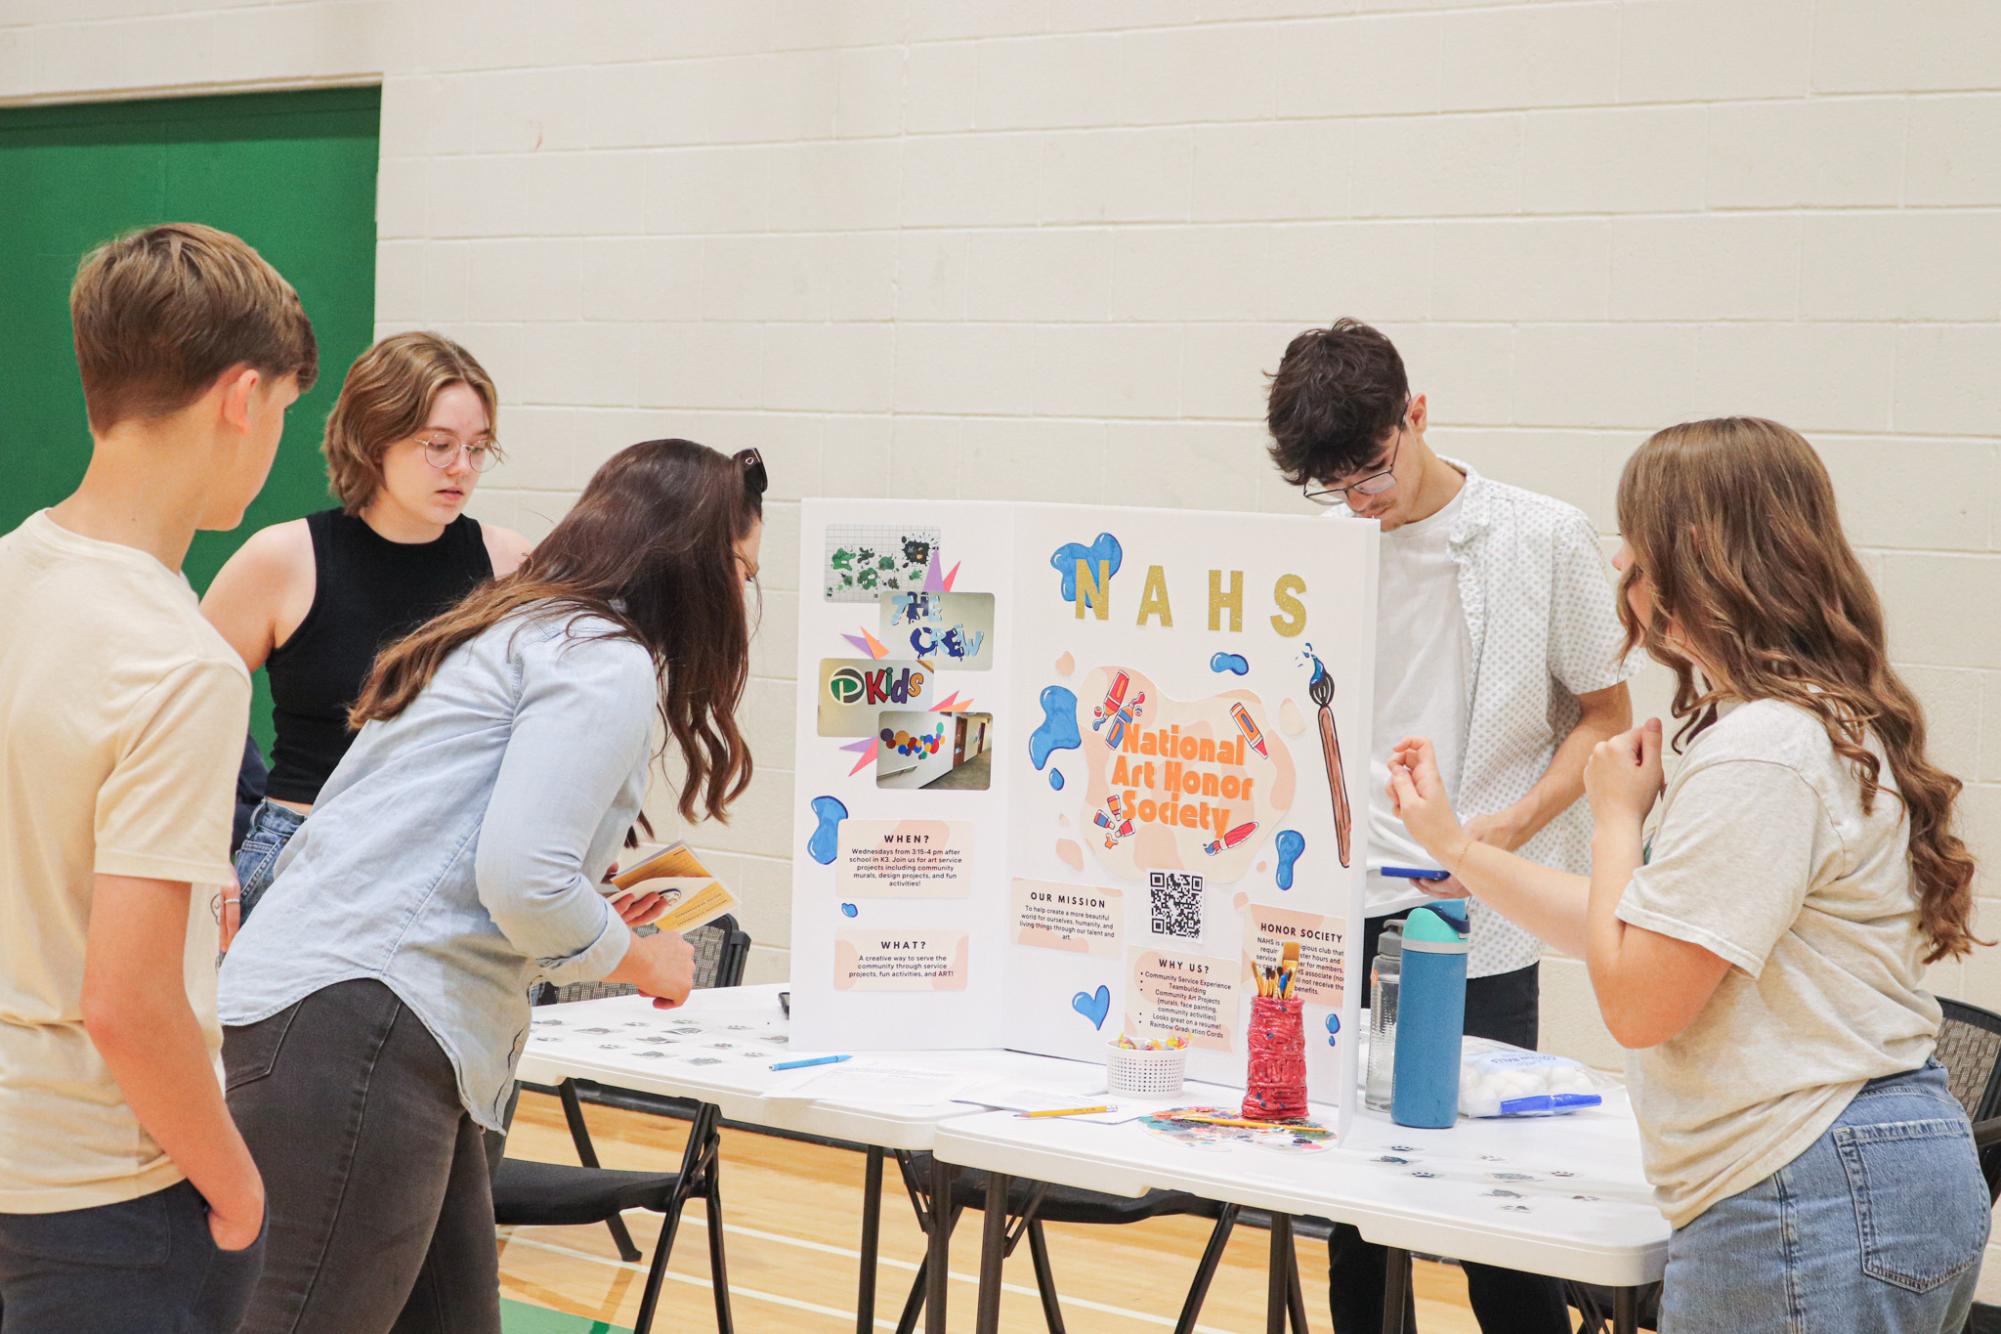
<point>1385,982</point>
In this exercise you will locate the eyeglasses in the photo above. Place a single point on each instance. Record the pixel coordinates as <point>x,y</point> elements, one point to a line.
<point>442,451</point>
<point>1375,483</point>
<point>755,479</point>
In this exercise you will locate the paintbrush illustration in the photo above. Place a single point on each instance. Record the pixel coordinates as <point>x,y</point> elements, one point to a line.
<point>1321,690</point>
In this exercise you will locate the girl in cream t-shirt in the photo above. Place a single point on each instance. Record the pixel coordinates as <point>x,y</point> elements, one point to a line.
<point>1764,964</point>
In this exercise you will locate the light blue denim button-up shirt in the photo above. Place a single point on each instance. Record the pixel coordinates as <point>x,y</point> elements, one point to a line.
<point>455,853</point>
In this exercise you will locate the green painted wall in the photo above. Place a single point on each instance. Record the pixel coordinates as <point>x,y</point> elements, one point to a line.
<point>292,173</point>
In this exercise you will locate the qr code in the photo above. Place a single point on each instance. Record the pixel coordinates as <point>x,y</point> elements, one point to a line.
<point>1177,903</point>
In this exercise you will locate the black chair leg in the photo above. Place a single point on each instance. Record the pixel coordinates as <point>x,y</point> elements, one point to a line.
<point>1278,1304</point>
<point>871,1242</point>
<point>913,1305</point>
<point>719,1278</point>
<point>656,1272</point>
<point>1205,1273</point>
<point>1045,1278</point>
<point>587,1154</point>
<point>1396,1290</point>
<point>1295,1297</point>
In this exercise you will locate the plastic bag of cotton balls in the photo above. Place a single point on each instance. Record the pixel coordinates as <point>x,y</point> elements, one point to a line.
<point>1498,1080</point>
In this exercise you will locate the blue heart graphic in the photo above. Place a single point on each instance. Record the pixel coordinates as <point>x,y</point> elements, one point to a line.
<point>1093,1005</point>
<point>849,910</point>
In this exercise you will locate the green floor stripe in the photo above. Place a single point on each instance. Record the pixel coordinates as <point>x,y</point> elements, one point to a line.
<point>521,1318</point>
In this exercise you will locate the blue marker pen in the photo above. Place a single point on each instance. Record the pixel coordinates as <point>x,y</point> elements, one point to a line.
<point>810,1060</point>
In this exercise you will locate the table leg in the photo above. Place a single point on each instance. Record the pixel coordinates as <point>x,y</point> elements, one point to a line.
<point>1625,1310</point>
<point>871,1237</point>
<point>1280,1274</point>
<point>1396,1289</point>
<point>938,1258</point>
<point>993,1249</point>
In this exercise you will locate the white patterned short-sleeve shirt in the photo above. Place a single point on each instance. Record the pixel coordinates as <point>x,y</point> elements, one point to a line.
<point>1542,628</point>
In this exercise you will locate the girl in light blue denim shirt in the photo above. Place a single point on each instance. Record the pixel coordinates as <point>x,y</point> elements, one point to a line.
<point>372,1022</point>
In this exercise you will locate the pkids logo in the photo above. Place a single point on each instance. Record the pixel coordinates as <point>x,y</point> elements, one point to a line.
<point>876,685</point>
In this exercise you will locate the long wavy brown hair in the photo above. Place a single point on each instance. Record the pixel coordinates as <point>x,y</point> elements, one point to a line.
<point>650,547</point>
<point>1756,590</point>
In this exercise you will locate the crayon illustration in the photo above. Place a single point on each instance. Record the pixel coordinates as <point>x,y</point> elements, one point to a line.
<point>1116,711</point>
<point>1231,839</point>
<point>1249,728</point>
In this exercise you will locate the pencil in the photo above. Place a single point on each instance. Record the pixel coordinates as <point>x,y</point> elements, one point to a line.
<point>1069,1111</point>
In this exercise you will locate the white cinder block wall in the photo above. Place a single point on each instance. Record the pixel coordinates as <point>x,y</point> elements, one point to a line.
<point>1043,249</point>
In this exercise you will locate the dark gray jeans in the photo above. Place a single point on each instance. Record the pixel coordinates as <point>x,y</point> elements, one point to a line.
<point>381,1207</point>
<point>147,1266</point>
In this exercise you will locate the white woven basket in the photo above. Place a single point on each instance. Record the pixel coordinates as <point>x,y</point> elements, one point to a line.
<point>1145,1074</point>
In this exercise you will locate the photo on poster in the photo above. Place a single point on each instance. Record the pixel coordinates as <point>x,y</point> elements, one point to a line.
<point>863,561</point>
<point>935,751</point>
<point>853,692</point>
<point>954,630</point>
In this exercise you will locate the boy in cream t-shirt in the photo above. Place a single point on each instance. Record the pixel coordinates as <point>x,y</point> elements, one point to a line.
<point>127,1199</point>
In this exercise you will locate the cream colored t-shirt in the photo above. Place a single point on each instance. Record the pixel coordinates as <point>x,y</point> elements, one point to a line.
<point>122,717</point>
<point>1765,858</point>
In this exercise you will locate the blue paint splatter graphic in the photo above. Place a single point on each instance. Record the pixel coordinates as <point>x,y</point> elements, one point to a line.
<point>1103,552</point>
<point>1234,663</point>
<point>1059,726</point>
<point>826,840</point>
<point>849,910</point>
<point>1056,779</point>
<point>1290,844</point>
<point>1093,1005</point>
<point>1334,1028</point>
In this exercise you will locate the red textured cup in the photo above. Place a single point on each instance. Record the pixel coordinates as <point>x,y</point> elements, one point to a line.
<point>1275,1076</point>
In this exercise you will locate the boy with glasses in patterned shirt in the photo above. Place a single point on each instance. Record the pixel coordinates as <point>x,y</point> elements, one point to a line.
<point>1497,636</point>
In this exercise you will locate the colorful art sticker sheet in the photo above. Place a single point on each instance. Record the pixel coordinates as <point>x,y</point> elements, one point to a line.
<point>863,561</point>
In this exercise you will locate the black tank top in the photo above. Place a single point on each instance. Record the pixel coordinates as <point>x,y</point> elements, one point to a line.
<point>368,592</point>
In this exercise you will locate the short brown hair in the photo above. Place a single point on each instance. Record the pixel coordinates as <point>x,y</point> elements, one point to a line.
<point>1336,396</point>
<point>158,314</point>
<point>386,397</point>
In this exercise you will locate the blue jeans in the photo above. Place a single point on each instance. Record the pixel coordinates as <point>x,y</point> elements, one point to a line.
<point>271,828</point>
<point>1878,1226</point>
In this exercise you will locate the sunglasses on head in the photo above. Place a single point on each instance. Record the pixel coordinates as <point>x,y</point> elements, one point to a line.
<point>755,479</point>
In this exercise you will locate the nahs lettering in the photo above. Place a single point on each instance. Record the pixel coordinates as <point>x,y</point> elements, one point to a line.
<point>1226,599</point>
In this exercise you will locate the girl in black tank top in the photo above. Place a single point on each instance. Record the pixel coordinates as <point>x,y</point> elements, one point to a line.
<point>368,593</point>
<point>406,444</point>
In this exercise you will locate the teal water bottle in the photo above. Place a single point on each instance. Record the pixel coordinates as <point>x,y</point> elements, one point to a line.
<point>1431,1018</point>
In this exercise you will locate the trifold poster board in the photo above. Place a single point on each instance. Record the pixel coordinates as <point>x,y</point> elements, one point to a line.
<point>1067,771</point>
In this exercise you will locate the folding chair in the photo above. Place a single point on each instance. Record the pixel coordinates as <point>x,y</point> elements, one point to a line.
<point>555,1194</point>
